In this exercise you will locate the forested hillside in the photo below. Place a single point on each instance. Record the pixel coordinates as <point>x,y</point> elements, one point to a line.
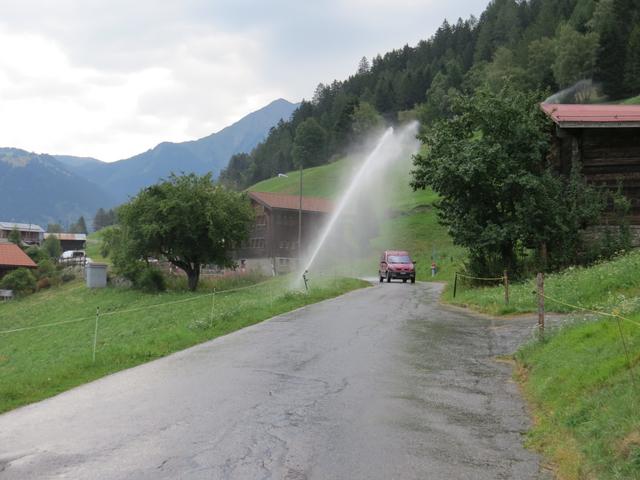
<point>543,45</point>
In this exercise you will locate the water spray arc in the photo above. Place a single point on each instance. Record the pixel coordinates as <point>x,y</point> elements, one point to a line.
<point>378,158</point>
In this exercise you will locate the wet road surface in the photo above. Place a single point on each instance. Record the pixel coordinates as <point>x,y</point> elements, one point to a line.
<point>381,383</point>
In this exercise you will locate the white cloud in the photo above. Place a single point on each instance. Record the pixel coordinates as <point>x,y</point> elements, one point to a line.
<point>111,79</point>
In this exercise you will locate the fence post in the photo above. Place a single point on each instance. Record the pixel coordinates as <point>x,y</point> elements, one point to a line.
<point>506,288</point>
<point>95,334</point>
<point>540,284</point>
<point>213,304</point>
<point>455,284</point>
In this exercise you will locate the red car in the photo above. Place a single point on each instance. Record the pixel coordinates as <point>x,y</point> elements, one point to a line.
<point>397,264</point>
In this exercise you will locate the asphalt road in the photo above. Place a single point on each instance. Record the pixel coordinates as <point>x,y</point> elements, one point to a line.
<point>382,383</point>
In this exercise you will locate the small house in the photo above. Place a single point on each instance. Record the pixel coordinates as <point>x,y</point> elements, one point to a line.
<point>70,241</point>
<point>12,257</point>
<point>605,141</point>
<point>273,241</point>
<point>30,234</point>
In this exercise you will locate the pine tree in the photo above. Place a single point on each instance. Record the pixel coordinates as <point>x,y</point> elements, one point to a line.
<point>632,71</point>
<point>99,221</point>
<point>363,66</point>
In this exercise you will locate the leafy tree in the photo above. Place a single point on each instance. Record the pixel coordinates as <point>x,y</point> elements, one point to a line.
<point>14,236</point>
<point>54,228</point>
<point>36,253</point>
<point>498,194</point>
<point>364,119</point>
<point>503,69</point>
<point>575,56</point>
<point>541,56</point>
<point>309,146</point>
<point>187,220</point>
<point>20,281</point>
<point>46,268</point>
<point>439,100</point>
<point>52,246</point>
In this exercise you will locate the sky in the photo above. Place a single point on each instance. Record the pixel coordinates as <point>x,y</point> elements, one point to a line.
<point>113,78</point>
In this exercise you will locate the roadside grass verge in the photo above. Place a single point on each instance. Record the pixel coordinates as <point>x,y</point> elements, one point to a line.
<point>587,419</point>
<point>603,287</point>
<point>134,328</point>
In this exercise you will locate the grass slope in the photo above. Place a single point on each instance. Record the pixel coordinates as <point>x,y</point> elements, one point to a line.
<point>604,286</point>
<point>586,406</point>
<point>632,101</point>
<point>38,363</point>
<point>411,223</point>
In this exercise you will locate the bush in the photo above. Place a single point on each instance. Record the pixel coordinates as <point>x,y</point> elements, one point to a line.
<point>68,276</point>
<point>46,268</point>
<point>43,283</point>
<point>151,280</point>
<point>36,254</point>
<point>20,281</point>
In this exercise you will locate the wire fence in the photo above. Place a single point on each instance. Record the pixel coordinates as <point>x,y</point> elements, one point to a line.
<point>619,318</point>
<point>504,279</point>
<point>195,313</point>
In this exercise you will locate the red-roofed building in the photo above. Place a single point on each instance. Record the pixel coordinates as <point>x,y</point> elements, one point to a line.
<point>273,242</point>
<point>12,257</point>
<point>605,141</point>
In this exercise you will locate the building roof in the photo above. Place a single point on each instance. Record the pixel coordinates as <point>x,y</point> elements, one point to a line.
<point>12,255</point>
<point>23,227</point>
<point>67,236</point>
<point>292,202</point>
<point>593,116</point>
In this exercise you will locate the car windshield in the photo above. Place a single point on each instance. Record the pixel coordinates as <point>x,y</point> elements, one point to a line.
<point>399,259</point>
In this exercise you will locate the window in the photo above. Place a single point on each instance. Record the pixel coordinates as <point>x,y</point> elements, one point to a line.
<point>261,220</point>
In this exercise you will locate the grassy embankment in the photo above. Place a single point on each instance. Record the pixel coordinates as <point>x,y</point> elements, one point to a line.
<point>632,101</point>
<point>409,224</point>
<point>134,328</point>
<point>577,380</point>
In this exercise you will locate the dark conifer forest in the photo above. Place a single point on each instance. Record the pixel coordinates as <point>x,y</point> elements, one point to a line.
<point>589,50</point>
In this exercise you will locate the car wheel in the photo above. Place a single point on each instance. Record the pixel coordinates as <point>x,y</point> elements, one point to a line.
<point>404,280</point>
<point>413,280</point>
<point>381,277</point>
<point>388,278</point>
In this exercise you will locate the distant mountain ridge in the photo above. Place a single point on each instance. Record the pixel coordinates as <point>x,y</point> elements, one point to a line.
<point>125,178</point>
<point>42,188</point>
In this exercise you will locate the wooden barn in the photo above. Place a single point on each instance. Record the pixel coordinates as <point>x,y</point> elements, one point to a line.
<point>605,140</point>
<point>70,241</point>
<point>273,241</point>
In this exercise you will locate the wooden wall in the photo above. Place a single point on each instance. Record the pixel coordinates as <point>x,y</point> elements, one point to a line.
<point>609,157</point>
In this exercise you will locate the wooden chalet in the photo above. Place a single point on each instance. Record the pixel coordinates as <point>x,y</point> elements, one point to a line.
<point>30,234</point>
<point>273,242</point>
<point>605,140</point>
<point>12,257</point>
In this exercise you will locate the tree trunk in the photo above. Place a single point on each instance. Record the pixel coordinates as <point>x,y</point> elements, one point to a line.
<point>193,276</point>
